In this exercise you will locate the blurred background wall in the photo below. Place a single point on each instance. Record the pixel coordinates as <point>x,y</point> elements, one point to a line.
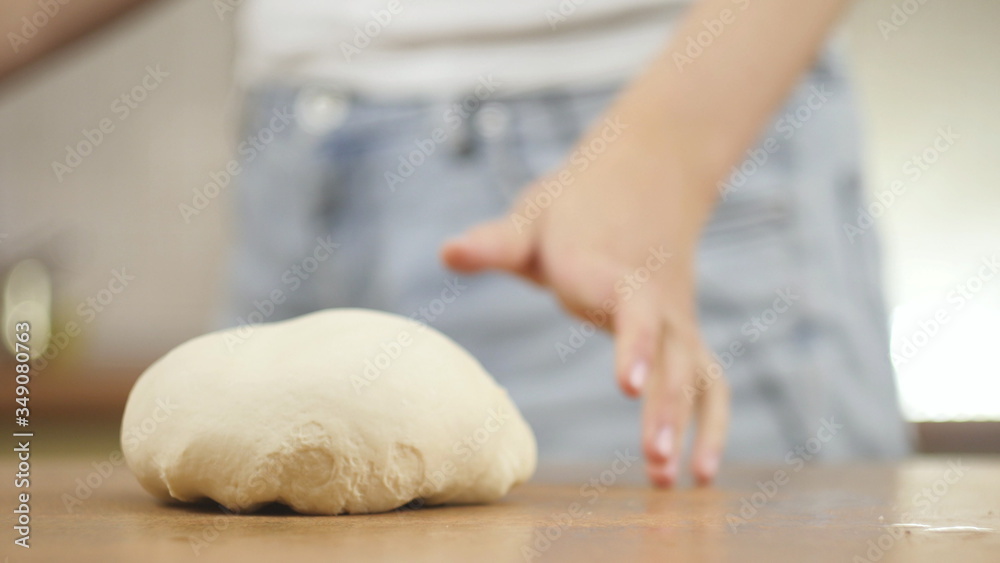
<point>940,70</point>
<point>114,215</point>
<point>118,208</point>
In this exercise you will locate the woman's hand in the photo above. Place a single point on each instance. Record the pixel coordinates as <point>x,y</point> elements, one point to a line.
<point>587,232</point>
<point>613,235</point>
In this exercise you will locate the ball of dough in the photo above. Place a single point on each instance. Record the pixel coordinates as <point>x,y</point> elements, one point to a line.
<point>340,411</point>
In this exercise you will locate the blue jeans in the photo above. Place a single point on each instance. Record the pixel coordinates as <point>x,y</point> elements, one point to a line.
<point>789,302</point>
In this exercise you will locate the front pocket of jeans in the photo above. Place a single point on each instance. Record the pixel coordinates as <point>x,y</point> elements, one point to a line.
<point>746,222</point>
<point>747,255</point>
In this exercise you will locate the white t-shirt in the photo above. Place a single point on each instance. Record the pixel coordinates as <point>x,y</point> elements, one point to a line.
<point>422,48</point>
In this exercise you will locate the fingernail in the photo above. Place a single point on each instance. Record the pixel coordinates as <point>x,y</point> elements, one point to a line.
<point>665,441</point>
<point>637,377</point>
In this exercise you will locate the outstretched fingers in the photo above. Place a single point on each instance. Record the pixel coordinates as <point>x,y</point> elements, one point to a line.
<point>665,412</point>
<point>712,403</point>
<point>638,335</point>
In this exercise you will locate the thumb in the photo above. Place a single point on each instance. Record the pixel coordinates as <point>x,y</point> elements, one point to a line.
<point>491,245</point>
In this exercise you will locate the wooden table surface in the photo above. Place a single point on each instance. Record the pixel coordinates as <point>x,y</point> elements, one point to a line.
<point>924,509</point>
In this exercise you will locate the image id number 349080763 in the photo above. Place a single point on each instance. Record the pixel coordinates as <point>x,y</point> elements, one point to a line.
<point>22,478</point>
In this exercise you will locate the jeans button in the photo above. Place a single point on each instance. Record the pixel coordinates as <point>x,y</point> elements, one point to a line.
<point>320,110</point>
<point>492,121</point>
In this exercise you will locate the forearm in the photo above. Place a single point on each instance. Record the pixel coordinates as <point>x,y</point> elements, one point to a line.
<point>709,106</point>
<point>34,28</point>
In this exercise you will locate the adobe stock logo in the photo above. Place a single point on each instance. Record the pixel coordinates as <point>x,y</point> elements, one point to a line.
<point>31,25</point>
<point>914,168</point>
<point>122,107</point>
<point>795,460</point>
<point>698,43</point>
<point>365,34</point>
<point>579,161</point>
<point>900,16</point>
<point>624,288</point>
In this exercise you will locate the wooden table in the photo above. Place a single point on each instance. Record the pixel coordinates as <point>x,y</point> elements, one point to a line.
<point>925,509</point>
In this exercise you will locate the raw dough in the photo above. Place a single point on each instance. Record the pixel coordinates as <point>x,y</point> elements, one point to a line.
<point>340,411</point>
